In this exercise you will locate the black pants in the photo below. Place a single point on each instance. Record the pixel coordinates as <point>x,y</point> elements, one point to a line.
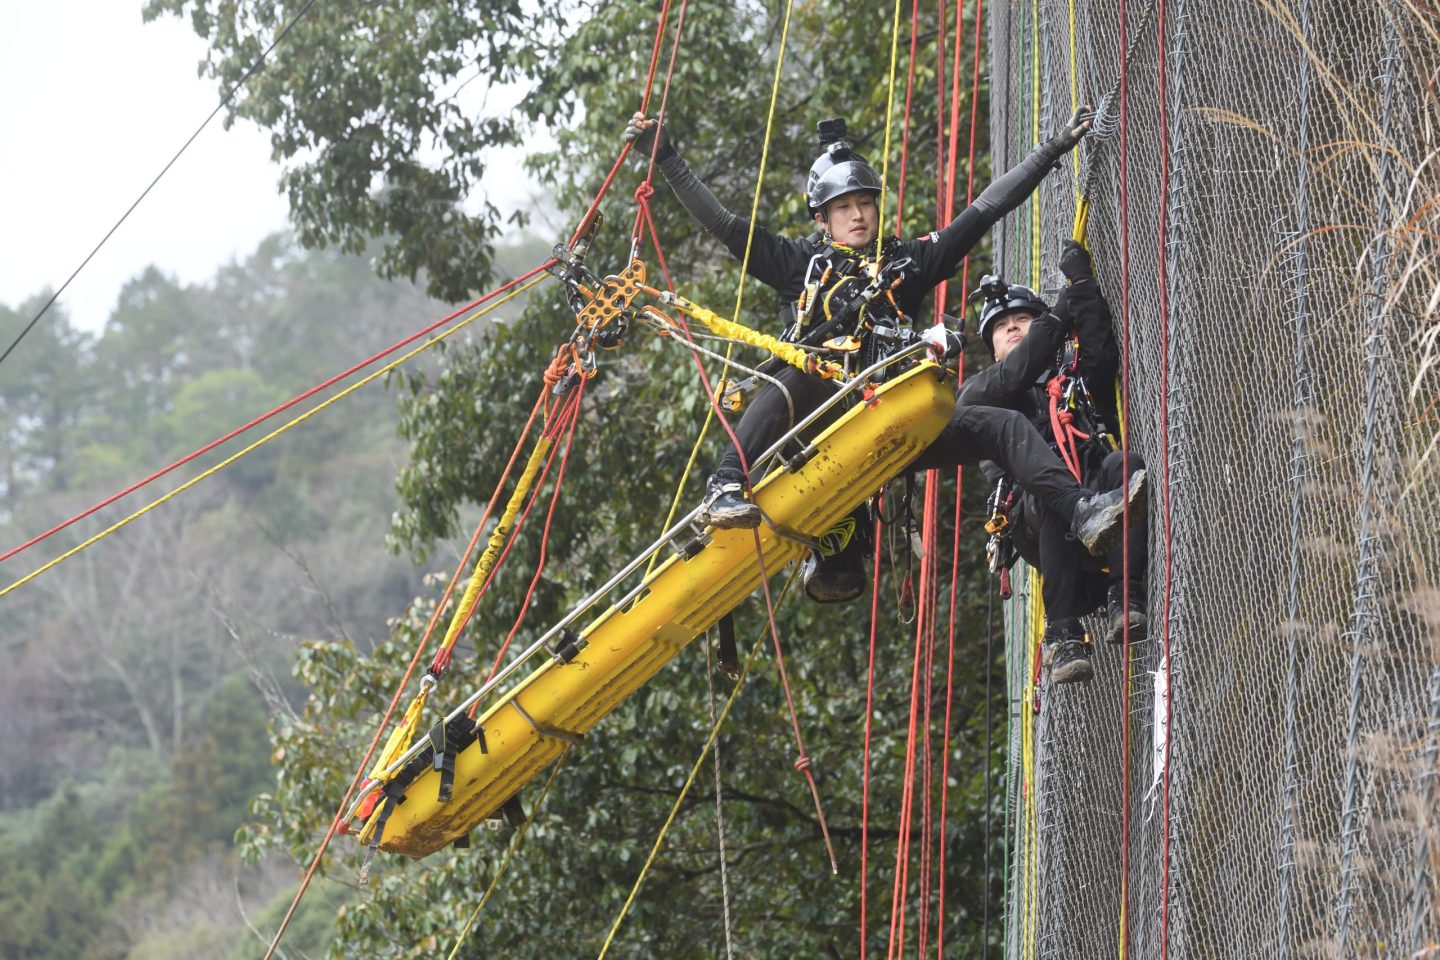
<point>1010,440</point>
<point>973,434</point>
<point>1075,583</point>
<point>769,415</point>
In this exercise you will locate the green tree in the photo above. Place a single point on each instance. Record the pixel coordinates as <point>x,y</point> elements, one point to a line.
<point>353,98</point>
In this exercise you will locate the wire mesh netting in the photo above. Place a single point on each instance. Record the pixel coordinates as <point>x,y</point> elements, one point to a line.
<point>1266,238</point>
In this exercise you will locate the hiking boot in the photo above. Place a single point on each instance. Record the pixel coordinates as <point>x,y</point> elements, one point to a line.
<point>725,506</point>
<point>1068,647</point>
<point>835,579</point>
<point>1097,521</point>
<point>1118,615</point>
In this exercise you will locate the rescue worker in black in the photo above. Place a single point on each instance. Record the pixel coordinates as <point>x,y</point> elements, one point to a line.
<point>842,193</point>
<point>1057,366</point>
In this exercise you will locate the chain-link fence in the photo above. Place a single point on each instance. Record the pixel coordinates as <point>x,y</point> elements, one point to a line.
<point>1267,239</point>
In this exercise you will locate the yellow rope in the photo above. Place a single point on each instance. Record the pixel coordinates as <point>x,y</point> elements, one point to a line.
<point>889,124</point>
<point>1035,630</point>
<point>509,854</point>
<point>740,287</point>
<point>695,770</point>
<point>273,434</point>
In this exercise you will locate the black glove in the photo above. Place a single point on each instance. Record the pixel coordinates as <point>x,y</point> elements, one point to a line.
<point>1075,262</point>
<point>644,139</point>
<point>1074,131</point>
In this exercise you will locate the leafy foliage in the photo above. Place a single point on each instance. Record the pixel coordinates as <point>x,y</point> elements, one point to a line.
<point>362,106</point>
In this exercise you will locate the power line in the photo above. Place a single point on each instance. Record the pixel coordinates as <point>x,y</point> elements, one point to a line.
<point>224,101</point>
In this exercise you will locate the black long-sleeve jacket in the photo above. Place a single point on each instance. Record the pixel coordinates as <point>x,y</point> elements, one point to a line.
<point>781,262</point>
<point>1018,382</point>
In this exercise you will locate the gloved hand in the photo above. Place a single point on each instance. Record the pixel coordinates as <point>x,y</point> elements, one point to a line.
<point>1075,262</point>
<point>945,344</point>
<point>1075,130</point>
<point>642,131</point>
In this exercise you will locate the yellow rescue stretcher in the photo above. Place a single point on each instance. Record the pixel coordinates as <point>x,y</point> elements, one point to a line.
<point>592,670</point>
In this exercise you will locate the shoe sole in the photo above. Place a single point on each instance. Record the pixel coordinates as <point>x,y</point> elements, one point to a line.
<point>835,596</point>
<point>1139,625</point>
<point>1076,671</point>
<point>735,521</point>
<point>1135,497</point>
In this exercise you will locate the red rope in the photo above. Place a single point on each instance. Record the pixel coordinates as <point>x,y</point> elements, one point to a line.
<point>1125,517</point>
<point>1161,280</point>
<point>974,124</point>
<point>930,584</point>
<point>924,615</point>
<point>625,150</point>
<point>659,117</point>
<point>557,423</point>
<point>803,762</point>
<point>949,192</point>
<point>441,662</point>
<point>905,134</point>
<point>869,716</point>
<point>571,415</point>
<point>280,409</point>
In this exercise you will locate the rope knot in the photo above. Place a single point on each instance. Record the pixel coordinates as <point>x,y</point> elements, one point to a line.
<point>803,764</point>
<point>559,366</point>
<point>644,192</point>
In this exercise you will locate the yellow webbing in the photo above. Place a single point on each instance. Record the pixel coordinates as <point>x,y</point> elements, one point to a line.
<point>788,352</point>
<point>497,541</point>
<point>401,737</point>
<point>404,733</point>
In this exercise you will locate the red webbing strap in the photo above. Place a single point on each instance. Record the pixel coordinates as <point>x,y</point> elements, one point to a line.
<point>1062,426</point>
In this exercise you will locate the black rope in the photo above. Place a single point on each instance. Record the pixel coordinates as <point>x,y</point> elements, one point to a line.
<point>224,101</point>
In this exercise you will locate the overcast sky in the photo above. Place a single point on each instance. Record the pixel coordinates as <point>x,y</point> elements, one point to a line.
<point>94,103</point>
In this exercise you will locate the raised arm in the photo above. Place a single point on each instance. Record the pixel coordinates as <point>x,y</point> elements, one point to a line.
<point>1099,354</point>
<point>1003,195</point>
<point>771,256</point>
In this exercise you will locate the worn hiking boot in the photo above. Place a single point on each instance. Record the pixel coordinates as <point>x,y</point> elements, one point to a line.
<point>1068,652</point>
<point>1097,519</point>
<point>1118,614</point>
<point>725,506</point>
<point>835,579</point>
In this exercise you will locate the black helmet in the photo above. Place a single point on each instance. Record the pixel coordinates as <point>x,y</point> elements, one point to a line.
<point>1002,298</point>
<point>838,170</point>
